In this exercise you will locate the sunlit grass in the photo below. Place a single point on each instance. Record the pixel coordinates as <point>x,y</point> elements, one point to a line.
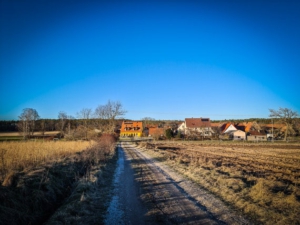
<point>37,176</point>
<point>16,156</point>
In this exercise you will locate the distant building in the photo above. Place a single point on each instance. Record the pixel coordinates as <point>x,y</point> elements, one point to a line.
<point>237,135</point>
<point>156,131</point>
<point>256,136</point>
<point>131,129</point>
<point>232,132</point>
<point>228,127</point>
<point>246,126</point>
<point>201,126</point>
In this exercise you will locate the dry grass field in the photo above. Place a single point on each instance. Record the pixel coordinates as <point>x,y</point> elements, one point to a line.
<point>261,180</point>
<point>17,156</point>
<point>55,181</point>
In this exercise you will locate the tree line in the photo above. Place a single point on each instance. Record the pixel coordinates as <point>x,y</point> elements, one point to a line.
<point>103,119</point>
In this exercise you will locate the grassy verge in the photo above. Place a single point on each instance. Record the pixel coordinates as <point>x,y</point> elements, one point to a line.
<point>64,184</point>
<point>88,202</point>
<point>17,156</point>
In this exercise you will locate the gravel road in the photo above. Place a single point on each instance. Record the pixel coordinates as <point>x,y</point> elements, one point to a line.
<point>148,192</point>
<point>125,206</point>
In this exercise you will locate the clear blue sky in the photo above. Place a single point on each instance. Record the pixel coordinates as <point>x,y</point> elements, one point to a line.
<point>161,59</point>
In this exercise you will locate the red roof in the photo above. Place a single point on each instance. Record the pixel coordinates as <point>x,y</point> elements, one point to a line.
<point>197,122</point>
<point>226,126</point>
<point>244,126</point>
<point>155,130</point>
<point>215,124</point>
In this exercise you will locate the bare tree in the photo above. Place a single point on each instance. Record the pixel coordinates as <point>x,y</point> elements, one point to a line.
<point>216,131</point>
<point>62,116</point>
<point>110,112</point>
<point>71,128</point>
<point>256,126</point>
<point>147,121</point>
<point>27,121</point>
<point>286,116</point>
<point>85,114</point>
<point>51,125</point>
<point>43,126</point>
<point>69,123</point>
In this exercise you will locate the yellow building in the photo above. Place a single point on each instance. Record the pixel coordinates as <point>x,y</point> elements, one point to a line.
<point>131,129</point>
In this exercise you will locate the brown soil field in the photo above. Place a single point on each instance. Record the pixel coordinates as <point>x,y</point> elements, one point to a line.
<point>261,180</point>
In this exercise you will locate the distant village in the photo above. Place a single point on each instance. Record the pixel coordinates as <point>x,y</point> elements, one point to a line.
<point>204,129</point>
<point>282,124</point>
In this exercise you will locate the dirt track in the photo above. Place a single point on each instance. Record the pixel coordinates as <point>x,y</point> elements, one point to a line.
<point>168,197</point>
<point>125,206</point>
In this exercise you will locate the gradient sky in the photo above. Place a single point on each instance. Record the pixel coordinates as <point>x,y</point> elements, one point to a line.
<point>160,59</point>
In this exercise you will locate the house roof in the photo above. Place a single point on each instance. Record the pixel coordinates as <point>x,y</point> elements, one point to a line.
<point>131,125</point>
<point>156,130</point>
<point>226,126</point>
<point>240,126</point>
<point>248,126</point>
<point>244,126</point>
<point>216,124</point>
<point>197,122</point>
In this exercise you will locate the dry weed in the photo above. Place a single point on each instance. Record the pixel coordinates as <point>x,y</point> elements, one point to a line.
<point>54,173</point>
<point>17,156</point>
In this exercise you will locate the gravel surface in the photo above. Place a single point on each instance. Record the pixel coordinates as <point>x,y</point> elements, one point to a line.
<point>213,207</point>
<point>125,206</point>
<point>148,192</point>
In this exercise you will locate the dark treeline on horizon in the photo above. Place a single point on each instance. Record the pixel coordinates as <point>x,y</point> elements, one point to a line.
<point>53,124</point>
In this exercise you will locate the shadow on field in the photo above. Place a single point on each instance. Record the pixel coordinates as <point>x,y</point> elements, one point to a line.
<point>33,195</point>
<point>158,199</point>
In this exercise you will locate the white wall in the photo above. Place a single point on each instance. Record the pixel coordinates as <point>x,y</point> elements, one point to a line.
<point>230,128</point>
<point>239,135</point>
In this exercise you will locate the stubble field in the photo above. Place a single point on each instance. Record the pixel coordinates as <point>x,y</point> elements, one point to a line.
<point>260,180</point>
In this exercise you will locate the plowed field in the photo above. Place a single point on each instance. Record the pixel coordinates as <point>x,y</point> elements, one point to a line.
<point>260,180</point>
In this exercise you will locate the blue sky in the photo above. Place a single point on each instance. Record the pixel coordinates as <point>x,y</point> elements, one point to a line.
<point>160,59</point>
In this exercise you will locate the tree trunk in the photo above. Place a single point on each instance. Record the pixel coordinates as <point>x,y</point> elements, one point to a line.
<point>286,132</point>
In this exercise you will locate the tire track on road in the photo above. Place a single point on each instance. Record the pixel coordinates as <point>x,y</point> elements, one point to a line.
<point>171,200</point>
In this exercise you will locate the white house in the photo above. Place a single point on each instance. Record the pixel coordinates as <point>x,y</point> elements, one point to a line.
<point>229,127</point>
<point>237,135</point>
<point>200,126</point>
<point>256,136</point>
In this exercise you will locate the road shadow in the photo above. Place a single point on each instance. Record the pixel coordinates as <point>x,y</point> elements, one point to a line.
<point>165,207</point>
